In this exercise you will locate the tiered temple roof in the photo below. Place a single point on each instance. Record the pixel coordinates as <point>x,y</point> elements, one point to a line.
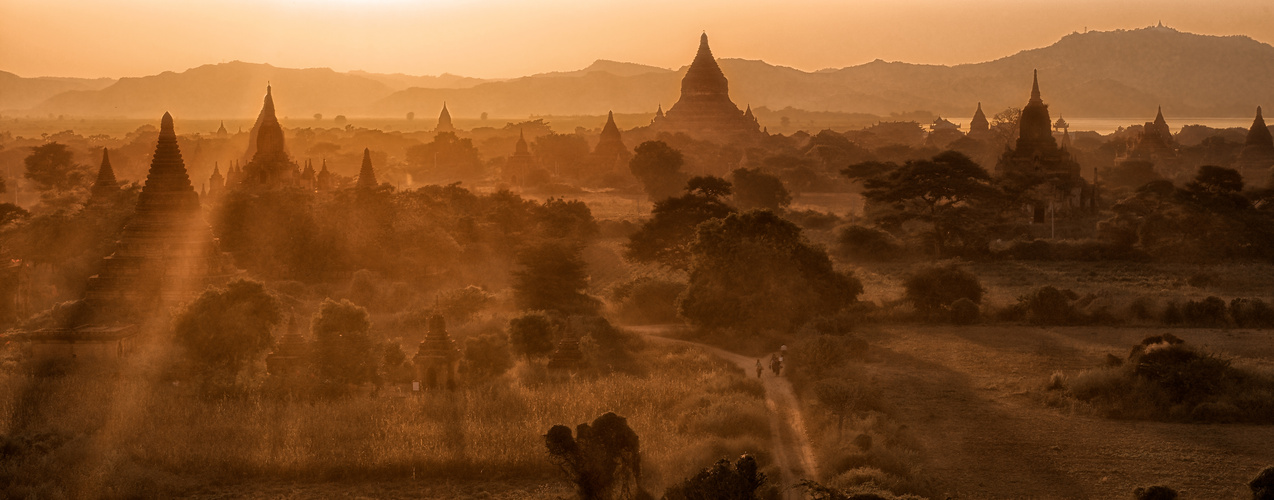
<point>1257,156</point>
<point>518,166</point>
<point>167,252</point>
<point>437,357</point>
<point>106,188</point>
<point>1037,151</point>
<point>444,121</point>
<point>269,165</point>
<point>610,150</point>
<point>367,174</point>
<point>705,109</point>
<point>979,124</point>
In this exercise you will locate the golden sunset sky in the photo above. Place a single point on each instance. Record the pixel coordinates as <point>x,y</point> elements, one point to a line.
<point>509,38</point>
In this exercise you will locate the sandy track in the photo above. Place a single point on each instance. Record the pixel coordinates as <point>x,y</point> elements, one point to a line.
<point>791,447</point>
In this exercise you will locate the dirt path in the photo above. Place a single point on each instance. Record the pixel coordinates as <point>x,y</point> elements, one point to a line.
<point>791,447</point>
<point>967,394</point>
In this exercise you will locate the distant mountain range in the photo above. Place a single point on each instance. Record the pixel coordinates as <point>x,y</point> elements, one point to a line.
<point>1122,73</point>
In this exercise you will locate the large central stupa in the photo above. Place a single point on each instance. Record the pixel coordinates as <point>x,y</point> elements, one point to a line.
<point>705,110</point>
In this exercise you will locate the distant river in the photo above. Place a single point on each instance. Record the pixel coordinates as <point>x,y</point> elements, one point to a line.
<point>1107,125</point>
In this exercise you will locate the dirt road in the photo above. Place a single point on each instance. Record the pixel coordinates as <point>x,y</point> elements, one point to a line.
<point>791,448</point>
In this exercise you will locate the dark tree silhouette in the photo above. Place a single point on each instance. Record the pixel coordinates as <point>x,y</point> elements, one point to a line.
<point>756,189</point>
<point>737,481</point>
<point>658,166</point>
<point>950,193</point>
<point>531,334</point>
<point>552,276</point>
<point>225,328</point>
<point>342,348</point>
<point>602,459</point>
<point>666,237</point>
<point>933,289</point>
<point>755,270</point>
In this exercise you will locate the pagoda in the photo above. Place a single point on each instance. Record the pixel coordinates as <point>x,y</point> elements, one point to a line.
<point>444,121</point>
<point>519,165</point>
<point>288,357</point>
<point>610,150</point>
<point>269,165</point>
<point>308,176</point>
<point>325,180</point>
<point>1155,145</point>
<point>1257,156</point>
<point>705,110</point>
<point>1036,150</point>
<point>106,188</point>
<point>979,126</point>
<point>366,175</point>
<point>437,358</point>
<point>167,253</point>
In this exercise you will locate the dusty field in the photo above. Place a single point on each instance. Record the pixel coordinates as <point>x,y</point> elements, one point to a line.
<point>1119,281</point>
<point>968,394</point>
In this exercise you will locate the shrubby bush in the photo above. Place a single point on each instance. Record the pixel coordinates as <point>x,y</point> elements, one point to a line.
<point>1262,485</point>
<point>1155,493</point>
<point>1251,313</point>
<point>932,290</point>
<point>342,348</point>
<point>647,300</point>
<point>487,356</point>
<point>226,329</point>
<point>532,334</point>
<point>867,244</point>
<point>737,481</point>
<point>1166,379</point>
<point>1086,250</point>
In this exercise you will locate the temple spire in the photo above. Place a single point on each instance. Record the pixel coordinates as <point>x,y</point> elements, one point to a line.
<point>1259,134</point>
<point>1035,89</point>
<point>366,175</point>
<point>106,186</point>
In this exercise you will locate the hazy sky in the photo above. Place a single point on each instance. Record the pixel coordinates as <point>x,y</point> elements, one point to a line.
<point>504,38</point>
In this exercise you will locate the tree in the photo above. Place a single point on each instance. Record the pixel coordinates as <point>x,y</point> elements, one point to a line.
<point>949,193</point>
<point>666,237</point>
<point>318,117</point>
<point>1262,485</point>
<point>933,289</point>
<point>755,270</point>
<point>602,459</point>
<point>51,168</point>
<point>552,276</point>
<point>411,115</point>
<point>1005,125</point>
<point>225,328</point>
<point>531,334</point>
<point>487,356</point>
<point>342,349</point>
<point>658,166</point>
<point>756,189</point>
<point>737,481</point>
<point>840,397</point>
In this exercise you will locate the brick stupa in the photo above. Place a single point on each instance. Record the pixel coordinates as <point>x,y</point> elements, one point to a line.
<point>268,164</point>
<point>1257,156</point>
<point>167,253</point>
<point>705,110</point>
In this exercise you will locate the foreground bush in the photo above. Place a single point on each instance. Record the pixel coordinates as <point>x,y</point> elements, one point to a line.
<point>225,329</point>
<point>602,459</point>
<point>867,244</point>
<point>934,289</point>
<point>737,481</point>
<point>1163,378</point>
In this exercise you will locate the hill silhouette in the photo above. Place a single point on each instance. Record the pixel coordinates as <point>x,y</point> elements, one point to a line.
<point>1122,73</point>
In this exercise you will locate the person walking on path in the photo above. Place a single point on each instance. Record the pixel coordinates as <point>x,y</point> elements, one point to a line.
<point>759,368</point>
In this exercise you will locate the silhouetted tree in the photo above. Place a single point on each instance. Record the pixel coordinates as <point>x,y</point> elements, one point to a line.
<point>225,328</point>
<point>602,459</point>
<point>553,276</point>
<point>487,356</point>
<point>757,189</point>
<point>755,270</point>
<point>342,348</point>
<point>531,334</point>
<point>933,289</point>
<point>737,481</point>
<point>949,193</point>
<point>666,237</point>
<point>658,167</point>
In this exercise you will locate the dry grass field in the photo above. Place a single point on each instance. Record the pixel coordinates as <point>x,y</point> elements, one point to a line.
<point>971,397</point>
<point>122,437</point>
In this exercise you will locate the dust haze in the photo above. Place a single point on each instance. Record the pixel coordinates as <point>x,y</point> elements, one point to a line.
<point>636,256</point>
